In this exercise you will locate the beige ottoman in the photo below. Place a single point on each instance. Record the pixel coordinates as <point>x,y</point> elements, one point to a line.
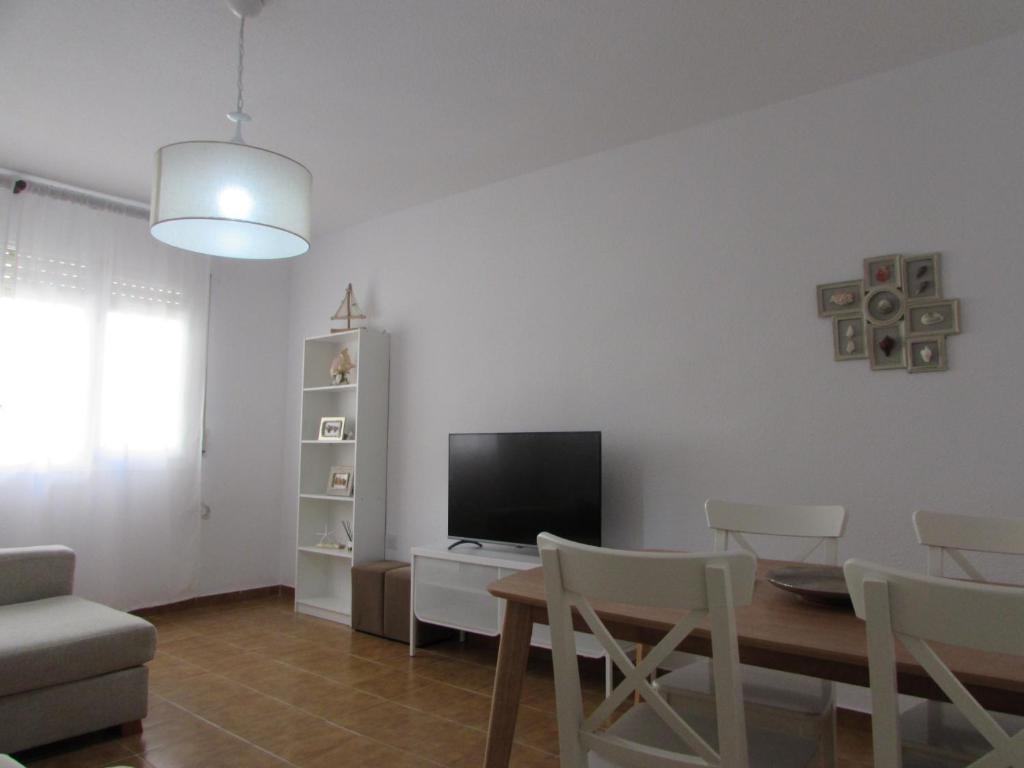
<point>368,595</point>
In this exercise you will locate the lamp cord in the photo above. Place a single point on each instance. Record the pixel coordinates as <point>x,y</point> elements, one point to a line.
<point>241,64</point>
<point>239,116</point>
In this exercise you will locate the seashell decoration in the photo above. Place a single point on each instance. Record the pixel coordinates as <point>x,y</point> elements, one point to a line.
<point>341,367</point>
<point>895,315</point>
<point>841,298</point>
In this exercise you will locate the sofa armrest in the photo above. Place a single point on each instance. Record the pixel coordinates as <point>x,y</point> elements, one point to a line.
<point>34,573</point>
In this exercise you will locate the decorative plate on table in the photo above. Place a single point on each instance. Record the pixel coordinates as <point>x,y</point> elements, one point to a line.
<point>814,583</point>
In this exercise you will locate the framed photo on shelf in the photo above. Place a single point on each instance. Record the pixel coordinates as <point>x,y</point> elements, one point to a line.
<point>339,482</point>
<point>332,429</point>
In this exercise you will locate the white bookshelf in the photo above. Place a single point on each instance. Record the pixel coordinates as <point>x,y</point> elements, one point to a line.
<point>323,577</point>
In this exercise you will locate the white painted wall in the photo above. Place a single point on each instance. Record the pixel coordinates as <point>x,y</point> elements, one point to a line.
<point>242,473</point>
<point>663,292</point>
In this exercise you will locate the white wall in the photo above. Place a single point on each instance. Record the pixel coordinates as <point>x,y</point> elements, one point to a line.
<point>242,474</point>
<point>664,292</point>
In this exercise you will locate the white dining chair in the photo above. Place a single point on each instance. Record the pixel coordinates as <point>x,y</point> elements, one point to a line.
<point>934,728</point>
<point>919,610</point>
<point>652,734</point>
<point>791,703</point>
<point>948,536</point>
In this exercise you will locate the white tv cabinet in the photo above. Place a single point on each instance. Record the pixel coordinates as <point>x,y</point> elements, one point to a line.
<point>449,588</point>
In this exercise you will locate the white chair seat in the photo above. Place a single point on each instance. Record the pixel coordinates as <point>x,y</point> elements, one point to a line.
<point>761,687</point>
<point>770,749</point>
<point>938,732</point>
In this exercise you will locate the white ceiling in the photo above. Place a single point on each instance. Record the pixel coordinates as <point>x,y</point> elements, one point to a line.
<point>395,102</point>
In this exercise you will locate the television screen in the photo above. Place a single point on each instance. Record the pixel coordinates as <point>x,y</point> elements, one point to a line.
<point>508,487</point>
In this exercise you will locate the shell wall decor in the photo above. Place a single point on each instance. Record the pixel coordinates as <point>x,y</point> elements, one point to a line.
<point>894,315</point>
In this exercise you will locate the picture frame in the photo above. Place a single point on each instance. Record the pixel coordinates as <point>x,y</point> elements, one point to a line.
<point>895,315</point>
<point>933,317</point>
<point>340,481</point>
<point>840,298</point>
<point>926,354</point>
<point>332,429</point>
<point>922,276</point>
<point>883,272</point>
<point>884,306</point>
<point>876,346</point>
<point>848,336</point>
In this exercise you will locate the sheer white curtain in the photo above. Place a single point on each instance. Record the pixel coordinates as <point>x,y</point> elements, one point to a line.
<point>102,359</point>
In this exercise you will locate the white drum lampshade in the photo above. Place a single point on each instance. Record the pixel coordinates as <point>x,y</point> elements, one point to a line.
<point>230,199</point>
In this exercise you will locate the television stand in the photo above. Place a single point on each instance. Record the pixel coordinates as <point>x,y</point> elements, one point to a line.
<point>450,589</point>
<point>465,541</point>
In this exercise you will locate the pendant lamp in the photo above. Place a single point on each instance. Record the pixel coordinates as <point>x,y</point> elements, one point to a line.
<point>227,198</point>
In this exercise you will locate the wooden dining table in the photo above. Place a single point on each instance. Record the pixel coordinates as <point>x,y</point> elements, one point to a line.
<point>777,630</point>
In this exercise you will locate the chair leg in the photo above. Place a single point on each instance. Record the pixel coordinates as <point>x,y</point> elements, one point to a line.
<point>827,742</point>
<point>639,654</point>
<point>133,728</point>
<point>607,675</point>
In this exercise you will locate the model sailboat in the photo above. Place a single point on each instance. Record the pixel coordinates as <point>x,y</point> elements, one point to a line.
<point>348,311</point>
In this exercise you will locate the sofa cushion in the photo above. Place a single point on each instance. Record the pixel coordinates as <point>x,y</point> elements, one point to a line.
<point>63,639</point>
<point>35,573</point>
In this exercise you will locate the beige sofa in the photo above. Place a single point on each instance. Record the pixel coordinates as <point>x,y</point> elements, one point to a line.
<point>67,666</point>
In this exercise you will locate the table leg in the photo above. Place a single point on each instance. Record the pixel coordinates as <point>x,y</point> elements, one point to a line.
<point>513,651</point>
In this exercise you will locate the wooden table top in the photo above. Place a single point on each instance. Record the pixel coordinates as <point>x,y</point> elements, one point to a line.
<point>779,630</point>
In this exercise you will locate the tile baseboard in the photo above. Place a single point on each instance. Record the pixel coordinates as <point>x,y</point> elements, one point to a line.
<point>279,590</point>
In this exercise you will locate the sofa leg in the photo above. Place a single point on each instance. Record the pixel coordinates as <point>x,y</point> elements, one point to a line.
<point>133,728</point>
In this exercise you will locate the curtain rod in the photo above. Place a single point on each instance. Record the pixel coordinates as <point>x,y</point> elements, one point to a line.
<point>14,176</point>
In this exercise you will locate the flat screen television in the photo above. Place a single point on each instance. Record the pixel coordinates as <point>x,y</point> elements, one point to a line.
<point>508,487</point>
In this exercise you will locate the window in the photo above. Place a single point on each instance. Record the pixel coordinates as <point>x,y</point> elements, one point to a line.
<point>45,371</point>
<point>102,355</point>
<point>78,384</point>
<point>143,373</point>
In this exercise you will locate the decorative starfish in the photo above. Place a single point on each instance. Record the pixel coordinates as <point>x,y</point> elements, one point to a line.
<point>327,538</point>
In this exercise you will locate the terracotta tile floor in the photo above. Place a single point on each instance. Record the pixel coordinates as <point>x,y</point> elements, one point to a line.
<point>253,684</point>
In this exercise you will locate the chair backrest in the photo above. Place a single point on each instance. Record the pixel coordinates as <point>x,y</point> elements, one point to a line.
<point>823,524</point>
<point>918,609</point>
<point>704,585</point>
<point>951,535</point>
